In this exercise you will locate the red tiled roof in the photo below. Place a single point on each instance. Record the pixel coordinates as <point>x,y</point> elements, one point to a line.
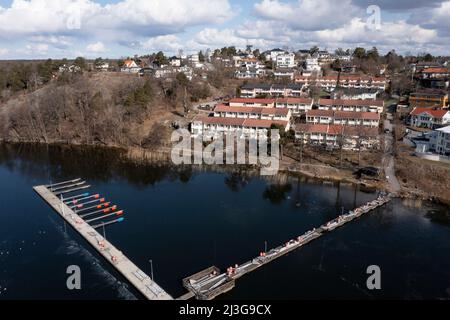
<point>357,115</point>
<point>320,128</point>
<point>432,112</point>
<point>258,123</point>
<point>251,100</point>
<point>295,100</point>
<point>223,121</point>
<point>436,70</point>
<point>320,113</point>
<point>339,102</point>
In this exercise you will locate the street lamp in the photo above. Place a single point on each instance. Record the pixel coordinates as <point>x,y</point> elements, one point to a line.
<point>151,266</point>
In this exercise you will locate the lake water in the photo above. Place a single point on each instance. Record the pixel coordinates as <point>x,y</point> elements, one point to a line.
<point>187,219</point>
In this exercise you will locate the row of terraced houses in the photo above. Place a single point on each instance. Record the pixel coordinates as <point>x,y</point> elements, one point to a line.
<point>356,120</point>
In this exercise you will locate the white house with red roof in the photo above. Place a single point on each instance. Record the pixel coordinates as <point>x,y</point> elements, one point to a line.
<point>130,66</point>
<point>429,118</point>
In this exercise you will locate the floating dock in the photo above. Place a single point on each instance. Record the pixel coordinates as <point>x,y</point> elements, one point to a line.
<point>142,282</point>
<point>210,283</point>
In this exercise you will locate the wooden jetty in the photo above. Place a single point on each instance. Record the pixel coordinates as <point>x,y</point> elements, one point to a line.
<point>210,283</point>
<point>142,282</point>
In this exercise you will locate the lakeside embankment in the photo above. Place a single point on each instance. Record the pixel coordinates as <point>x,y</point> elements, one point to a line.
<point>315,172</point>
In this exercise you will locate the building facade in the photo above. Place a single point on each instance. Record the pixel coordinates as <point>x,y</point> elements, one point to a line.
<point>365,119</point>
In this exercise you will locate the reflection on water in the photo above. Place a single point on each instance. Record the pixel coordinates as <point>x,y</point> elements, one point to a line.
<point>186,219</point>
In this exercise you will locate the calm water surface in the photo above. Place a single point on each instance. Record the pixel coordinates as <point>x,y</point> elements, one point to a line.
<point>187,220</point>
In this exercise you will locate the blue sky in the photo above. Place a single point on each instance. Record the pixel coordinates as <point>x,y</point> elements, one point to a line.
<point>36,29</point>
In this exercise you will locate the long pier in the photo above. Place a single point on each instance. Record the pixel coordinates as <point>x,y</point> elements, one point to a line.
<point>210,283</point>
<point>142,282</point>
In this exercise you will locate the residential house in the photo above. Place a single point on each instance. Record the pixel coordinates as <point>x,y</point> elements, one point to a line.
<point>324,57</point>
<point>429,118</point>
<point>273,54</point>
<point>355,94</point>
<point>104,66</point>
<point>441,141</point>
<point>130,66</point>
<point>337,136</point>
<point>249,102</point>
<point>72,68</point>
<point>431,98</point>
<point>284,73</point>
<point>210,127</point>
<point>295,105</point>
<point>253,90</point>
<point>375,106</point>
<point>347,118</point>
<point>285,60</point>
<point>330,83</point>
<point>277,114</point>
<point>175,62</point>
<point>298,106</point>
<point>250,73</point>
<point>312,65</point>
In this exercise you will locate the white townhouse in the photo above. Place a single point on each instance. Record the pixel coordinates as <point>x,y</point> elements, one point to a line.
<point>285,60</point>
<point>223,111</point>
<point>296,105</point>
<point>376,106</point>
<point>442,141</point>
<point>350,138</point>
<point>273,54</point>
<point>355,94</point>
<point>273,90</point>
<point>249,102</point>
<point>366,119</point>
<point>429,118</point>
<point>211,127</point>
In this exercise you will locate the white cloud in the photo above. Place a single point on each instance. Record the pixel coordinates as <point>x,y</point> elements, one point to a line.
<point>97,47</point>
<point>393,33</point>
<point>434,18</point>
<point>87,17</point>
<point>162,43</point>
<point>68,27</point>
<point>39,49</point>
<point>227,37</point>
<point>3,52</point>
<point>308,14</point>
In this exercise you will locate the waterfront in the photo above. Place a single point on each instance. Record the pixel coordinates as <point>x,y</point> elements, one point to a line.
<point>187,220</point>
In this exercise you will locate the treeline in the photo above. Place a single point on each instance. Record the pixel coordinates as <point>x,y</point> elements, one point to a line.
<point>16,76</point>
<point>100,110</point>
<point>82,112</point>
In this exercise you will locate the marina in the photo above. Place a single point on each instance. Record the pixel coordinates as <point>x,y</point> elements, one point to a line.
<point>67,209</point>
<point>211,283</point>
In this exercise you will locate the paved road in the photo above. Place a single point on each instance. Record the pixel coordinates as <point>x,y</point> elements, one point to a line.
<point>388,159</point>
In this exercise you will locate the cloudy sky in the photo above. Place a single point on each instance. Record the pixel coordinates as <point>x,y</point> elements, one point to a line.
<point>31,29</point>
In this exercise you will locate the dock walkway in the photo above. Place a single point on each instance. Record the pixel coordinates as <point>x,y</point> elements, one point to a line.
<point>210,283</point>
<point>142,282</point>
